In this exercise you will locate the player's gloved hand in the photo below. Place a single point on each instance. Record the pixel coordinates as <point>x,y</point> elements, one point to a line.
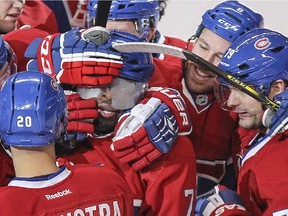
<point>277,121</point>
<point>223,202</point>
<point>172,98</point>
<point>151,128</point>
<point>81,114</point>
<point>72,60</point>
<point>151,122</point>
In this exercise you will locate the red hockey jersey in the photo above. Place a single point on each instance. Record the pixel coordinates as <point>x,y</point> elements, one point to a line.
<point>38,15</point>
<point>79,190</point>
<point>166,187</point>
<point>263,176</point>
<point>19,40</point>
<point>212,135</point>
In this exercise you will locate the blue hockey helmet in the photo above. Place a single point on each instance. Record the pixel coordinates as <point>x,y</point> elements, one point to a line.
<point>258,58</point>
<point>229,20</point>
<point>32,110</point>
<point>145,13</point>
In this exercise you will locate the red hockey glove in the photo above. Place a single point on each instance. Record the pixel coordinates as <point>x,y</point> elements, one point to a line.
<point>151,128</point>
<point>175,102</point>
<point>80,111</point>
<point>223,202</point>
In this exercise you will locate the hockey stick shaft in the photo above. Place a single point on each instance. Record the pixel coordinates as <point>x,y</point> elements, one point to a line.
<point>99,34</point>
<point>184,54</point>
<point>103,9</point>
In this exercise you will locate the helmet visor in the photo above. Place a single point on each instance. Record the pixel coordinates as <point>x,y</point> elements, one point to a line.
<point>229,97</point>
<point>124,93</point>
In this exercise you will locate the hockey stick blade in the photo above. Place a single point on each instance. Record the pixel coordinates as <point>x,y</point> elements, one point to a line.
<point>184,54</point>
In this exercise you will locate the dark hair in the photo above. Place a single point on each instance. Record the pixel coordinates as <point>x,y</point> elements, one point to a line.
<point>162,5</point>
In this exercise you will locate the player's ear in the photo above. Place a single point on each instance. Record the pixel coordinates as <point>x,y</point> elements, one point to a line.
<point>151,33</point>
<point>277,87</point>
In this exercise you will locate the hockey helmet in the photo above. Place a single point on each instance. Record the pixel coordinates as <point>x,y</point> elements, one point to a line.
<point>145,13</point>
<point>258,58</point>
<point>229,20</point>
<point>32,110</point>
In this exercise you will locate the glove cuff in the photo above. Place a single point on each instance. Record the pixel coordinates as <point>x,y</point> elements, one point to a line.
<point>44,52</point>
<point>229,210</point>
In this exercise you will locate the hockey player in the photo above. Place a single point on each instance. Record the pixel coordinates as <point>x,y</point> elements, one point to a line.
<point>109,83</point>
<point>268,73</point>
<point>136,17</point>
<point>7,67</point>
<point>31,124</point>
<point>258,59</point>
<point>212,135</point>
<point>140,18</point>
<point>46,15</point>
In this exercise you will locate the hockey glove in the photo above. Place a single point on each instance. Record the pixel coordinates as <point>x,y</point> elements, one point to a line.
<point>72,60</point>
<point>277,121</point>
<point>149,125</point>
<point>175,102</point>
<point>81,115</point>
<point>152,128</point>
<point>223,202</point>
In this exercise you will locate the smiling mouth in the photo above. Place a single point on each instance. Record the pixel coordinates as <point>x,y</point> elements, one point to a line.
<point>202,74</point>
<point>106,113</point>
<point>13,17</point>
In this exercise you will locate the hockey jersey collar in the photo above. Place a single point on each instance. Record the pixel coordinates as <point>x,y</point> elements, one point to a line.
<point>42,181</point>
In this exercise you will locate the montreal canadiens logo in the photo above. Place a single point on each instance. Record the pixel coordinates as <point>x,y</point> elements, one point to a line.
<point>262,43</point>
<point>54,85</point>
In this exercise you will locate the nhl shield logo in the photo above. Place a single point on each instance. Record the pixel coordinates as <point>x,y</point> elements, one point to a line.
<point>201,100</point>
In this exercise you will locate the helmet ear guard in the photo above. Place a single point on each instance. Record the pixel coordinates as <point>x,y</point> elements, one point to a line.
<point>36,118</point>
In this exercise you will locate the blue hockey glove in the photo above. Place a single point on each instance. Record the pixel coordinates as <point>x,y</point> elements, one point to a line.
<point>277,121</point>
<point>223,202</point>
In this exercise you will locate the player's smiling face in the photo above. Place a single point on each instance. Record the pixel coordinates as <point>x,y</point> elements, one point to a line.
<point>112,100</point>
<point>210,47</point>
<point>249,110</point>
<point>107,115</point>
